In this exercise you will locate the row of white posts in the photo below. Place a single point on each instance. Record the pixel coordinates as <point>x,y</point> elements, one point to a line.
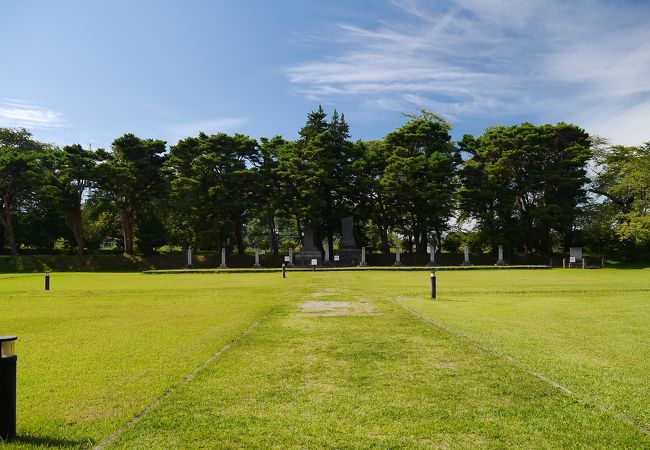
<point>398,262</point>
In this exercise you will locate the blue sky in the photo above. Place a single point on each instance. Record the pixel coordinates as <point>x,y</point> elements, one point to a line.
<point>88,71</point>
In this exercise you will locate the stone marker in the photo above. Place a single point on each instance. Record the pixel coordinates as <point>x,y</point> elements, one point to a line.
<point>308,251</point>
<point>349,254</point>
<point>501,262</point>
<point>363,262</point>
<point>432,255</point>
<point>189,257</point>
<point>398,261</point>
<point>467,262</point>
<point>223,259</point>
<point>257,258</point>
<point>326,260</point>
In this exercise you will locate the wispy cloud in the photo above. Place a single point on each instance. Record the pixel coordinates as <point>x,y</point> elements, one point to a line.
<point>19,113</point>
<point>585,61</point>
<point>213,125</point>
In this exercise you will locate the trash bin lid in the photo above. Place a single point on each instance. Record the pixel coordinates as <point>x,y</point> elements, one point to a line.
<point>7,338</point>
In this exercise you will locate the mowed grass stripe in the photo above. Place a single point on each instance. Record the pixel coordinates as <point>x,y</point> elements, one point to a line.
<point>378,379</point>
<point>99,348</point>
<point>596,344</point>
<point>586,400</point>
<point>173,389</point>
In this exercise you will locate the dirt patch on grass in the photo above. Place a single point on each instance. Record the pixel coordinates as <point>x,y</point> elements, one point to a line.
<point>316,308</point>
<point>326,292</point>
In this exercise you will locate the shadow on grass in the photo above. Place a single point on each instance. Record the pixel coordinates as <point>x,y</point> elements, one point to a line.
<point>44,441</point>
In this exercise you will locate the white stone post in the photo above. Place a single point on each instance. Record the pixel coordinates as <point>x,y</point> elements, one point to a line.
<point>363,262</point>
<point>398,261</point>
<point>189,257</point>
<point>467,262</point>
<point>432,255</point>
<point>327,254</point>
<point>223,259</point>
<point>257,258</point>
<point>501,262</point>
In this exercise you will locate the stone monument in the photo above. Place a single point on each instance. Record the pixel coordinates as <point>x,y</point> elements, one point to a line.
<point>398,260</point>
<point>501,262</point>
<point>363,262</point>
<point>308,251</point>
<point>257,258</point>
<point>349,254</point>
<point>467,262</point>
<point>223,259</point>
<point>327,261</point>
<point>432,255</point>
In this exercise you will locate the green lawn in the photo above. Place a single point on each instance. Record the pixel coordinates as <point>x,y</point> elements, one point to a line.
<point>368,372</point>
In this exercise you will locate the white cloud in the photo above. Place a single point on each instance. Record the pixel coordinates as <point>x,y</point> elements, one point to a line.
<point>19,113</point>
<point>209,126</point>
<point>585,61</point>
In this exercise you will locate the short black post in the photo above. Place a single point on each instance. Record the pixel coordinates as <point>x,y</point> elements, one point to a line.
<point>433,284</point>
<point>284,271</point>
<point>7,388</point>
<point>314,267</point>
<point>47,281</point>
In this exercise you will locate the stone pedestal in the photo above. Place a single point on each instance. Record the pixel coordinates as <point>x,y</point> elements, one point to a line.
<point>257,258</point>
<point>303,257</point>
<point>363,262</point>
<point>467,262</point>
<point>349,256</point>
<point>189,257</point>
<point>501,262</point>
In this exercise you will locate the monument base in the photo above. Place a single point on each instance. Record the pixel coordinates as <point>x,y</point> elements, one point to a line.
<point>349,256</point>
<point>303,257</point>
<point>501,263</point>
<point>257,266</point>
<point>467,263</point>
<point>363,264</point>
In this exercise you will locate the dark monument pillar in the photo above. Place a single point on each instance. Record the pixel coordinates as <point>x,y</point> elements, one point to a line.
<point>308,251</point>
<point>349,254</point>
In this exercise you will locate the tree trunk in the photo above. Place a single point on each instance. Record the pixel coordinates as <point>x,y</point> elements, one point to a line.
<point>330,244</point>
<point>273,238</point>
<point>7,223</point>
<point>127,220</point>
<point>383,237</point>
<point>75,223</point>
<point>239,238</point>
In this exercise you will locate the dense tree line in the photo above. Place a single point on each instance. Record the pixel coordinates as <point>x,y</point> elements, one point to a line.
<point>533,189</point>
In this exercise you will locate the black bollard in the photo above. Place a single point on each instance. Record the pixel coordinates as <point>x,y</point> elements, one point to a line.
<point>47,281</point>
<point>433,284</point>
<point>7,388</point>
<point>284,271</point>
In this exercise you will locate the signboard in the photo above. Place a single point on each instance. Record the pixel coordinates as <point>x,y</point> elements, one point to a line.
<point>287,259</point>
<point>337,258</point>
<point>572,259</point>
<point>314,262</point>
